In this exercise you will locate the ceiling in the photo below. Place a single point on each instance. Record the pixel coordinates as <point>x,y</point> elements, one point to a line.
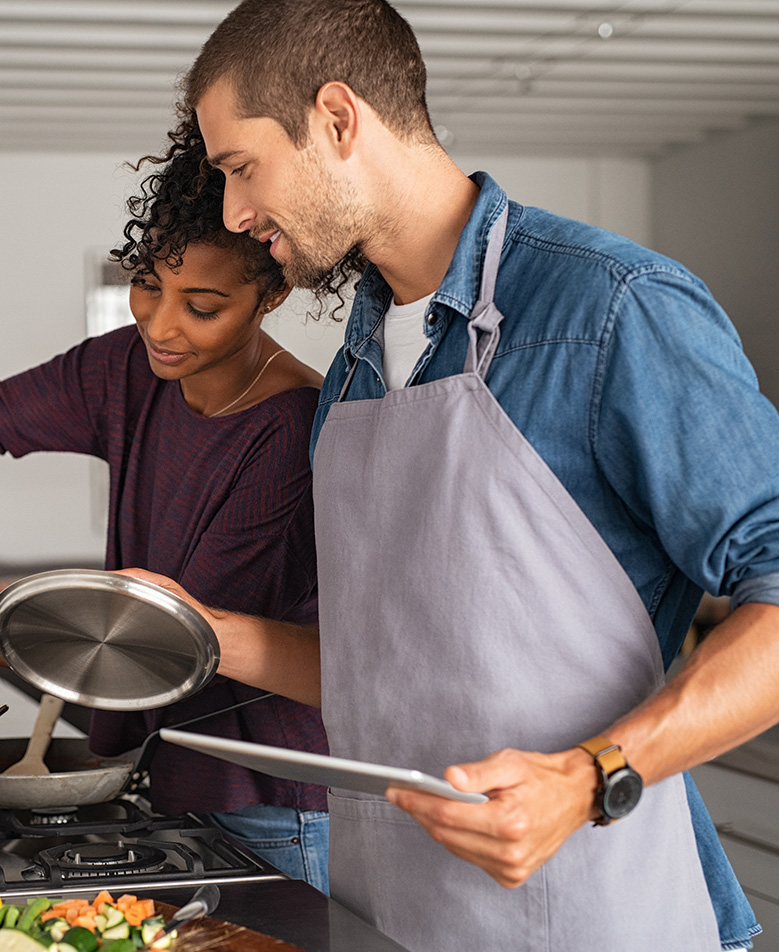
<point>632,78</point>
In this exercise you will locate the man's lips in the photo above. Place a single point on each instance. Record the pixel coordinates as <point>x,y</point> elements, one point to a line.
<point>267,235</point>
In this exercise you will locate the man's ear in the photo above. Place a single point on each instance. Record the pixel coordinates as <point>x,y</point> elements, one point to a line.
<point>337,112</point>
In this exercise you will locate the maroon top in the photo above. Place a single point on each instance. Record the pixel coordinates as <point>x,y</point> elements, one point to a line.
<point>223,506</point>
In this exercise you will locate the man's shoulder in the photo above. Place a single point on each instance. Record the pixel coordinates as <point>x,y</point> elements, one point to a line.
<point>553,238</point>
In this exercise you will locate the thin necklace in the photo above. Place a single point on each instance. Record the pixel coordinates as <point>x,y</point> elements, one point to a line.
<point>242,395</point>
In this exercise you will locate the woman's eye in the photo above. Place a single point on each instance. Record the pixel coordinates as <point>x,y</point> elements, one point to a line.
<point>238,171</point>
<point>143,285</point>
<point>202,315</point>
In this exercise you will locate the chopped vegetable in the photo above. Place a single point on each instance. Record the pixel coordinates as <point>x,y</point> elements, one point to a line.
<point>76,925</point>
<point>13,940</point>
<point>81,938</point>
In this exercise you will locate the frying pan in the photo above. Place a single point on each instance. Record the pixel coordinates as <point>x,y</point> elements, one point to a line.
<point>78,777</point>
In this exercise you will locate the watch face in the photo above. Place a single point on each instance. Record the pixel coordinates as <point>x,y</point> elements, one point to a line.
<point>622,793</point>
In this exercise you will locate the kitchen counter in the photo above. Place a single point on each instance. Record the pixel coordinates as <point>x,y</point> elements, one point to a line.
<point>290,910</point>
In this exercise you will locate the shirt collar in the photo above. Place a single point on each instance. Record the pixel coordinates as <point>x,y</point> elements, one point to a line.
<point>459,289</point>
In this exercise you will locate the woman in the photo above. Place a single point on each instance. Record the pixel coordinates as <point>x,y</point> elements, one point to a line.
<point>204,421</point>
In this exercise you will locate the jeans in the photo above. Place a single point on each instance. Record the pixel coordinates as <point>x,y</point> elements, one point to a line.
<point>295,842</point>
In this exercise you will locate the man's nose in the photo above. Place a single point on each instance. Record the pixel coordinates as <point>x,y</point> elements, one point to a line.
<point>237,213</point>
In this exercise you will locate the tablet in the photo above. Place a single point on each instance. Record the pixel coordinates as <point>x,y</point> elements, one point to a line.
<point>317,768</point>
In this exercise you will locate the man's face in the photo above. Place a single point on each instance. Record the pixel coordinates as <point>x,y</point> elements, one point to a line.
<point>279,193</point>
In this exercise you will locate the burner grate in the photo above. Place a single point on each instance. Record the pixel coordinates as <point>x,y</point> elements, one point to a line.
<point>48,850</point>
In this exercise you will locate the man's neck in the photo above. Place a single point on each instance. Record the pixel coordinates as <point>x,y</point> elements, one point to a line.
<point>425,212</point>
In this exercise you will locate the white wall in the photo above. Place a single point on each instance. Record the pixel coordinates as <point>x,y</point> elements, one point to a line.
<point>58,206</point>
<point>716,208</point>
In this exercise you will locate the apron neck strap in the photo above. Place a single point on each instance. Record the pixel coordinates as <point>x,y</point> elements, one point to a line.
<point>485,316</point>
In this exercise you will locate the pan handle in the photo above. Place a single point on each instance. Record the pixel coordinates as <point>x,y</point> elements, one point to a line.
<point>149,746</point>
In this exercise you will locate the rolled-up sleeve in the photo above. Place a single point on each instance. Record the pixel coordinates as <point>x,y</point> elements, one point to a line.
<point>688,441</point>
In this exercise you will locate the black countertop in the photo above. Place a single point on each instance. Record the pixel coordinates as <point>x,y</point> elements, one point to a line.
<point>290,910</point>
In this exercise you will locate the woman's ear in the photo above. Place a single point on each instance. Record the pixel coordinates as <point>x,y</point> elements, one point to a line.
<point>271,301</point>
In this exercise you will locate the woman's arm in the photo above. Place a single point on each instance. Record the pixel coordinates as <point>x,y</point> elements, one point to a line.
<point>273,655</point>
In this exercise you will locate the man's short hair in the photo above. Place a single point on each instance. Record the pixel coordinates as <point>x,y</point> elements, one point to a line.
<point>278,54</point>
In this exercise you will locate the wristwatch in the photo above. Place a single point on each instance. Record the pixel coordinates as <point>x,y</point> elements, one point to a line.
<point>620,786</point>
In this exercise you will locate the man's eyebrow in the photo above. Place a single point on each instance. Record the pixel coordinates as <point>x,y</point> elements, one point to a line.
<point>205,291</point>
<point>217,160</point>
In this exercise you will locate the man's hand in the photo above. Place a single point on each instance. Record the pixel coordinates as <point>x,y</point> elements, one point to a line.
<point>536,802</point>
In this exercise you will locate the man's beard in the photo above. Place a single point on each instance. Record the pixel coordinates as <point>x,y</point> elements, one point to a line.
<point>331,220</point>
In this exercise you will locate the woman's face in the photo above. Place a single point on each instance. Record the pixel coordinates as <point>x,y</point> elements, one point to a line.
<point>197,317</point>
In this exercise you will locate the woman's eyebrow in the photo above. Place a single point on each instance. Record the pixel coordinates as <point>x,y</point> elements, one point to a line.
<point>205,291</point>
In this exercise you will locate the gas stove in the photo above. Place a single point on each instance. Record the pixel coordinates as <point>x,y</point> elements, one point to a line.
<point>120,844</point>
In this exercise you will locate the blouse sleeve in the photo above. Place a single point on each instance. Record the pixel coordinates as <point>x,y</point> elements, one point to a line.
<point>61,404</point>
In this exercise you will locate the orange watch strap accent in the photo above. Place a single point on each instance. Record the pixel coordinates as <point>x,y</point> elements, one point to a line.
<point>608,756</point>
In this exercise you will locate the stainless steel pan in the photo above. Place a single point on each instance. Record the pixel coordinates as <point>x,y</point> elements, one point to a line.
<point>77,776</point>
<point>105,640</point>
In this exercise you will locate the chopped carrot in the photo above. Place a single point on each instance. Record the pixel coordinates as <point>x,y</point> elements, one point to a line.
<point>88,922</point>
<point>103,896</point>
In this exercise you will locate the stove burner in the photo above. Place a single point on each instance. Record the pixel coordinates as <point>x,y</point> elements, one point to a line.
<point>52,850</point>
<point>109,859</point>
<point>58,817</point>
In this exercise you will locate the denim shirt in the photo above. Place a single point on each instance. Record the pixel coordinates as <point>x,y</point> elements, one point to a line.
<point>630,381</point>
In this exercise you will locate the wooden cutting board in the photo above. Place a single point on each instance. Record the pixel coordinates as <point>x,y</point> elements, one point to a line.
<point>207,933</point>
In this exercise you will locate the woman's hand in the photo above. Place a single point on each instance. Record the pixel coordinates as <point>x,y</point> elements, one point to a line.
<point>211,615</point>
<point>264,653</point>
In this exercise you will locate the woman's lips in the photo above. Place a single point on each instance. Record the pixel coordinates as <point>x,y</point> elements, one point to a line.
<point>166,357</point>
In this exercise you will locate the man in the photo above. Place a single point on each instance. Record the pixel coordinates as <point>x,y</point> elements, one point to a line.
<point>521,491</point>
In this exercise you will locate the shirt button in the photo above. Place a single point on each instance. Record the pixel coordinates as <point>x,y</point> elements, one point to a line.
<point>432,319</point>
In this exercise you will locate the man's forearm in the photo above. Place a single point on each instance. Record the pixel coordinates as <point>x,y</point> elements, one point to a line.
<point>724,695</point>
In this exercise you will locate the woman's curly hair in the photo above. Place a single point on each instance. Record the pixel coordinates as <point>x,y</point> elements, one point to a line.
<point>182,203</point>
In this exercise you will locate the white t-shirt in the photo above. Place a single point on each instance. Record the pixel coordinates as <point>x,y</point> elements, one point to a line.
<point>404,340</point>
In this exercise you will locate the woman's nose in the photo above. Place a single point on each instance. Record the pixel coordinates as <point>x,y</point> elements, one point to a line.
<point>161,321</point>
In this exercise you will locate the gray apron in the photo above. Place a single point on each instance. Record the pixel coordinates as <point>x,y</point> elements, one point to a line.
<point>467,604</point>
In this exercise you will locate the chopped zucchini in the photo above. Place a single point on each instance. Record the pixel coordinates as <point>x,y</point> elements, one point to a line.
<point>118,945</point>
<point>121,931</point>
<point>14,940</point>
<point>56,928</point>
<point>165,941</point>
<point>113,916</point>
<point>150,927</point>
<point>83,940</point>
